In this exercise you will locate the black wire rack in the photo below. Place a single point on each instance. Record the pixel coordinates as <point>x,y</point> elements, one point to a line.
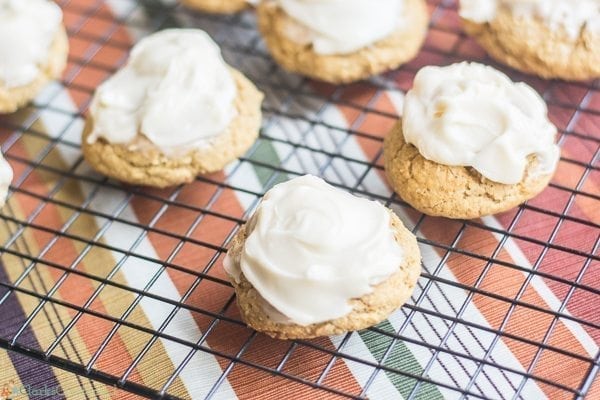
<point>335,132</point>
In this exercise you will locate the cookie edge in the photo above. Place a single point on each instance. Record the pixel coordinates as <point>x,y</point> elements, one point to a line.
<point>217,6</point>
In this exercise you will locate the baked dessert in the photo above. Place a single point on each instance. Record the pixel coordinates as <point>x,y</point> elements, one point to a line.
<point>175,111</point>
<point>341,41</point>
<point>315,261</point>
<point>218,6</point>
<point>33,50</point>
<point>548,38</point>
<point>470,143</point>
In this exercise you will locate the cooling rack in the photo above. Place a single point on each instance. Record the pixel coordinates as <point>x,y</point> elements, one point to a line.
<point>108,290</point>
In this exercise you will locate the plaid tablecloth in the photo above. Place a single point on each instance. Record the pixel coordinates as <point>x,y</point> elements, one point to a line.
<point>125,285</point>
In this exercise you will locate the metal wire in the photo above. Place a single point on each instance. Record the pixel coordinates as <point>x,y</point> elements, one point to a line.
<point>330,160</point>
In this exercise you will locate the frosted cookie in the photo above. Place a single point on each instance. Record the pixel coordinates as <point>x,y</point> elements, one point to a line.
<point>176,110</point>
<point>218,6</point>
<point>471,143</point>
<point>342,41</point>
<point>315,261</point>
<point>33,50</point>
<point>6,176</point>
<point>549,38</point>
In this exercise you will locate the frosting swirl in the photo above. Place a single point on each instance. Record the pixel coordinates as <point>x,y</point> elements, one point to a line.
<point>176,90</point>
<point>570,15</point>
<point>472,115</point>
<point>331,25</point>
<point>27,29</point>
<point>311,248</point>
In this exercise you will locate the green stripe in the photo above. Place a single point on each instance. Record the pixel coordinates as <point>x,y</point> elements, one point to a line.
<point>156,9</point>
<point>401,359</point>
<point>265,153</point>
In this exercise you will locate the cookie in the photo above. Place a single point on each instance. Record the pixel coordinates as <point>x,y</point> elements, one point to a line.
<point>217,6</point>
<point>367,311</point>
<point>14,98</point>
<point>452,191</point>
<point>471,142</point>
<point>531,46</point>
<point>316,261</point>
<point>394,50</point>
<point>146,165</point>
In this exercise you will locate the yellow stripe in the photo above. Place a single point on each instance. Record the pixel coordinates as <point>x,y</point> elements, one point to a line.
<point>9,378</point>
<point>99,262</point>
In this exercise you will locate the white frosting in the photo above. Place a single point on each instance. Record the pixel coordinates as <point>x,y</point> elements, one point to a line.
<point>6,176</point>
<point>311,248</point>
<point>27,29</point>
<point>342,26</point>
<point>176,90</point>
<point>571,15</point>
<point>473,115</point>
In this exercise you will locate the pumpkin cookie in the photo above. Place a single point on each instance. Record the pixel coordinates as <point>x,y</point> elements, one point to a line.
<point>174,112</point>
<point>551,39</point>
<point>342,41</point>
<point>33,50</point>
<point>471,143</point>
<point>316,261</point>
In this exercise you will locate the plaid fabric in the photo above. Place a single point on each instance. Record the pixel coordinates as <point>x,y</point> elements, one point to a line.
<point>118,287</point>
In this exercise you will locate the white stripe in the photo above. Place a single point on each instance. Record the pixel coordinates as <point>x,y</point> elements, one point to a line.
<point>540,286</point>
<point>397,99</point>
<point>381,387</point>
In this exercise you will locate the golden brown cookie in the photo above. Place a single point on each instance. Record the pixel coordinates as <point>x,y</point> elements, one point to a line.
<point>143,163</point>
<point>368,310</point>
<point>452,191</point>
<point>389,53</point>
<point>12,99</point>
<point>217,6</point>
<point>530,46</point>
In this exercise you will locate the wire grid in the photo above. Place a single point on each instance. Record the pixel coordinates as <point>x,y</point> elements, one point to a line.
<point>299,103</point>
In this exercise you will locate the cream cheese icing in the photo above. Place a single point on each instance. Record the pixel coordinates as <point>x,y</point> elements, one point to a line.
<point>175,89</point>
<point>311,248</point>
<point>472,115</point>
<point>342,26</point>
<point>27,29</point>
<point>571,15</point>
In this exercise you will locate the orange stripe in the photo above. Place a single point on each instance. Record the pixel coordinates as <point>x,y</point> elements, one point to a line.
<point>594,392</point>
<point>571,235</point>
